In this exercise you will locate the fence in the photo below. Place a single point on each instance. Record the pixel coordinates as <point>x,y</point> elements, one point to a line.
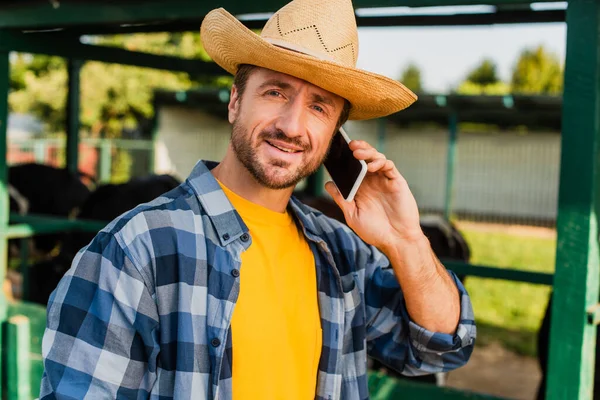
<point>497,176</point>
<point>105,160</point>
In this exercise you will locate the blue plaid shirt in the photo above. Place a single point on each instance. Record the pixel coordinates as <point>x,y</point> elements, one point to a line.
<point>145,310</point>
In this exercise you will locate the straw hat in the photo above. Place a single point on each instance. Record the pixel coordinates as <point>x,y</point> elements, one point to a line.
<point>314,40</point>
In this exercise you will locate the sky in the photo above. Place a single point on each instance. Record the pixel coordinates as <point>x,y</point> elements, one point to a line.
<point>446,54</point>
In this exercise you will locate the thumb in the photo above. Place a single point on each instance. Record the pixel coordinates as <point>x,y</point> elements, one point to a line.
<point>337,196</point>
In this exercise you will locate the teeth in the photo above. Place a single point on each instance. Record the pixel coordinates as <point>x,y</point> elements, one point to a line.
<point>282,149</point>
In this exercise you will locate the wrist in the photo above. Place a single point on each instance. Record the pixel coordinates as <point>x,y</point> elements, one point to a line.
<point>399,244</point>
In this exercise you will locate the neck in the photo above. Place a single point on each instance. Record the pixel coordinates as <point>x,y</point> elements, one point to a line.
<point>232,173</point>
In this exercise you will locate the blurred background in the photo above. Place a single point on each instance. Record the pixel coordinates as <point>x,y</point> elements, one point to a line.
<point>480,149</point>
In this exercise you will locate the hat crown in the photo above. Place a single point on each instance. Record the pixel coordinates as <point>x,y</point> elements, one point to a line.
<point>323,29</point>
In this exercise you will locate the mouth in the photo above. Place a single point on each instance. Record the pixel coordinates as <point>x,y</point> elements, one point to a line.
<point>290,149</point>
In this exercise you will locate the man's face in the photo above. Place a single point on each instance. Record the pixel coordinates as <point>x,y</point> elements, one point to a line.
<point>282,127</point>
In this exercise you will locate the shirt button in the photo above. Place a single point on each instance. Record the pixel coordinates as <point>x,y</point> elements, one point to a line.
<point>235,273</point>
<point>215,342</point>
<point>245,237</point>
<point>226,236</point>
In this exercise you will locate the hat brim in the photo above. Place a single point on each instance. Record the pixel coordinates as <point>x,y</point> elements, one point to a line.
<point>229,43</point>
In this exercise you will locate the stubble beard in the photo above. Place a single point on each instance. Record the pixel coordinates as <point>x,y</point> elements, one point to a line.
<point>279,177</point>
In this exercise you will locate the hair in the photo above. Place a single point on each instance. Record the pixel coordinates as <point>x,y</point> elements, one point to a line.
<point>245,70</point>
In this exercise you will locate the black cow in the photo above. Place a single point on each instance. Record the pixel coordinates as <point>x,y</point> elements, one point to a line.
<point>104,204</point>
<point>111,200</point>
<point>542,350</point>
<point>446,240</point>
<point>43,189</point>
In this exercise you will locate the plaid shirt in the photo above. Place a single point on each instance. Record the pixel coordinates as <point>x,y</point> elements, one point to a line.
<point>145,310</point>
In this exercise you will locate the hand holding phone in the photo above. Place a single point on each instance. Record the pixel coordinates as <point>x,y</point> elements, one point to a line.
<point>346,171</point>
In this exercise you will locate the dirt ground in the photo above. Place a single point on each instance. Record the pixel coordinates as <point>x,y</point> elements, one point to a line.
<point>493,369</point>
<point>497,371</point>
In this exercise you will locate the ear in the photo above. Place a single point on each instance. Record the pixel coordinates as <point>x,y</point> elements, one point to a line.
<point>234,104</point>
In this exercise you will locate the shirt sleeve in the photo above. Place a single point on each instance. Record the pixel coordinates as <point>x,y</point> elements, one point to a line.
<point>400,343</point>
<point>101,335</point>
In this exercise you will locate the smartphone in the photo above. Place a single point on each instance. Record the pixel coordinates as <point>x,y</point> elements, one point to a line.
<point>346,171</point>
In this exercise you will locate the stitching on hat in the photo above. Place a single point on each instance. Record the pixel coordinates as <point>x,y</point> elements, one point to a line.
<point>343,47</point>
<point>318,35</point>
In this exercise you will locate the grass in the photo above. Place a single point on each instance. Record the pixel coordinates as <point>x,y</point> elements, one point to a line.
<point>509,312</point>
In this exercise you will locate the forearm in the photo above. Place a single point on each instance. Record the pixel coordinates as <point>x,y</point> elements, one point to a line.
<point>431,296</point>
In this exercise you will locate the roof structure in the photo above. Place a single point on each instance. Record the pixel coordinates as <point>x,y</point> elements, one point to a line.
<point>534,112</point>
<point>97,16</point>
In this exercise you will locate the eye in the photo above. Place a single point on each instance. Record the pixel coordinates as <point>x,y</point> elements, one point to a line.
<point>273,93</point>
<point>318,109</point>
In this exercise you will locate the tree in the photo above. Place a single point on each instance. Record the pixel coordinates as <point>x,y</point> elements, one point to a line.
<point>113,96</point>
<point>537,72</point>
<point>411,78</point>
<point>483,80</point>
<point>485,74</point>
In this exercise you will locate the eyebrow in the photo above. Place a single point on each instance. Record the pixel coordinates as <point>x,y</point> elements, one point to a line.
<point>275,82</point>
<point>322,99</point>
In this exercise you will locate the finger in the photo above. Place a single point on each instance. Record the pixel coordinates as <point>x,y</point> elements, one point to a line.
<point>367,154</point>
<point>376,165</point>
<point>389,170</point>
<point>359,144</point>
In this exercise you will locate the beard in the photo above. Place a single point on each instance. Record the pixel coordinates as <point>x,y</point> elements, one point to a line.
<point>272,174</point>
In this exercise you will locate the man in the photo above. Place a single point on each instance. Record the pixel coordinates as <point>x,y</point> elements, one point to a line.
<point>228,287</point>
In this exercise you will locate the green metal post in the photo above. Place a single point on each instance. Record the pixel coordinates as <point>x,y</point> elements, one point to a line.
<point>155,127</point>
<point>572,338</point>
<point>105,161</point>
<point>381,134</point>
<point>24,254</point>
<point>314,183</point>
<point>450,163</point>
<point>4,202</point>
<point>18,365</point>
<point>39,151</point>
<point>73,100</point>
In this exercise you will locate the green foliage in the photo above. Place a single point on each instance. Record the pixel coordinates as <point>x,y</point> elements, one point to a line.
<point>411,78</point>
<point>471,88</point>
<point>38,86</point>
<point>121,166</point>
<point>113,96</point>
<point>485,74</point>
<point>537,72</point>
<point>509,312</point>
<point>483,80</point>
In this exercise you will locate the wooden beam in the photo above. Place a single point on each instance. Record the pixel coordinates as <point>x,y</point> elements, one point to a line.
<point>73,111</point>
<point>18,364</point>
<point>77,13</point>
<point>492,18</point>
<point>4,197</point>
<point>572,338</point>
<point>70,47</point>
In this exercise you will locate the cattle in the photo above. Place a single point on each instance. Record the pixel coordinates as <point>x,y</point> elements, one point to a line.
<point>543,341</point>
<point>43,189</point>
<point>104,204</point>
<point>111,200</point>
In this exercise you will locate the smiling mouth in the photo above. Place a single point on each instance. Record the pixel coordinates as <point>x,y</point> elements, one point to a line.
<point>286,150</point>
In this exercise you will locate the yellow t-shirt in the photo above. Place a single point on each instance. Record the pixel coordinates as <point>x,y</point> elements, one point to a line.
<point>276,329</point>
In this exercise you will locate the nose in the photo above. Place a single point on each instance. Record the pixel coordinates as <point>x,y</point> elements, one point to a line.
<point>291,120</point>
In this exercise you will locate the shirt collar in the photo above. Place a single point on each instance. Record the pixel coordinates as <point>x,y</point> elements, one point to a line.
<point>226,220</point>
